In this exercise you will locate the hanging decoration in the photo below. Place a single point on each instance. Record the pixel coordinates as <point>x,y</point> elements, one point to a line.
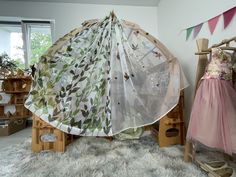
<point>197,29</point>
<point>227,16</point>
<point>212,23</point>
<point>189,31</point>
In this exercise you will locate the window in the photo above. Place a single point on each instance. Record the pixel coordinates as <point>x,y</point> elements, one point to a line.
<point>12,43</point>
<point>40,41</point>
<point>25,41</point>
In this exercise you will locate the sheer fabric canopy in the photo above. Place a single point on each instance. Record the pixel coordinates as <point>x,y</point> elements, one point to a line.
<point>105,77</point>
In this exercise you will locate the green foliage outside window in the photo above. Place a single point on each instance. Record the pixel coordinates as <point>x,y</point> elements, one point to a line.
<point>39,44</point>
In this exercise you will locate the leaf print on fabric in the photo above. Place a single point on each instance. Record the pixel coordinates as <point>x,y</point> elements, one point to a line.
<point>82,78</point>
<point>82,73</point>
<point>157,54</point>
<point>75,77</point>
<point>28,103</point>
<point>72,72</point>
<point>51,102</point>
<point>85,113</point>
<point>69,129</point>
<point>134,47</point>
<point>40,82</point>
<point>74,90</point>
<point>49,85</point>
<point>34,92</point>
<point>68,99</point>
<point>93,109</point>
<point>91,101</point>
<point>126,76</point>
<point>118,56</point>
<point>106,130</point>
<point>62,94</point>
<point>68,87</point>
<point>69,49</point>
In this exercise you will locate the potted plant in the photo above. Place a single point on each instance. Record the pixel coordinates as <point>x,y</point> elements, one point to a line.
<point>7,65</point>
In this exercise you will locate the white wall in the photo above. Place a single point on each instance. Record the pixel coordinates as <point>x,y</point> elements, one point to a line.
<point>173,16</point>
<point>69,16</point>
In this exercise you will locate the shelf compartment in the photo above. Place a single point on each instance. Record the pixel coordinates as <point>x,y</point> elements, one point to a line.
<point>17,85</point>
<point>12,111</point>
<point>9,99</point>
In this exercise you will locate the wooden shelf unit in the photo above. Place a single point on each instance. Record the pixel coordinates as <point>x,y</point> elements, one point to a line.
<point>17,88</point>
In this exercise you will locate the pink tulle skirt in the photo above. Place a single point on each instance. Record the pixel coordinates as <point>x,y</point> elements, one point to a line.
<point>213,116</point>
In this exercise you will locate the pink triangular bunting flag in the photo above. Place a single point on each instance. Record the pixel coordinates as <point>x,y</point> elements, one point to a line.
<point>212,23</point>
<point>228,16</point>
<point>197,29</point>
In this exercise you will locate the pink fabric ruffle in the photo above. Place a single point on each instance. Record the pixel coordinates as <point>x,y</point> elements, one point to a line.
<point>213,116</point>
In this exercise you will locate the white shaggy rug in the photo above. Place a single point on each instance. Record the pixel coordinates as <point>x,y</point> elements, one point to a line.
<point>98,157</point>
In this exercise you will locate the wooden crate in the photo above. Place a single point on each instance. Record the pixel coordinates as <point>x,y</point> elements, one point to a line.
<point>171,132</point>
<point>17,84</point>
<point>41,128</point>
<point>171,129</point>
<point>12,126</point>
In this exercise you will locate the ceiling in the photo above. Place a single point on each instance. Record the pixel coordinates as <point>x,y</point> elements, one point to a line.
<point>111,2</point>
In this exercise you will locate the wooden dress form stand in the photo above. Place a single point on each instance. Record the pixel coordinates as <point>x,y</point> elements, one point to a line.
<point>203,50</point>
<point>202,44</point>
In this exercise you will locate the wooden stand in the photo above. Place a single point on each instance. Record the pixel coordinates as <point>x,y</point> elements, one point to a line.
<point>40,129</point>
<point>202,45</point>
<point>171,127</point>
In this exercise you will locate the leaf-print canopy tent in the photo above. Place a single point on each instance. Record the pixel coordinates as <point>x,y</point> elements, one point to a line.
<point>105,77</point>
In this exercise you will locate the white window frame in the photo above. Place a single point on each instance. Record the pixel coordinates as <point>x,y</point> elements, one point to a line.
<point>25,25</point>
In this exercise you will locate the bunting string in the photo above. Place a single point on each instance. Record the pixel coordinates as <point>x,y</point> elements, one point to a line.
<point>227,16</point>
